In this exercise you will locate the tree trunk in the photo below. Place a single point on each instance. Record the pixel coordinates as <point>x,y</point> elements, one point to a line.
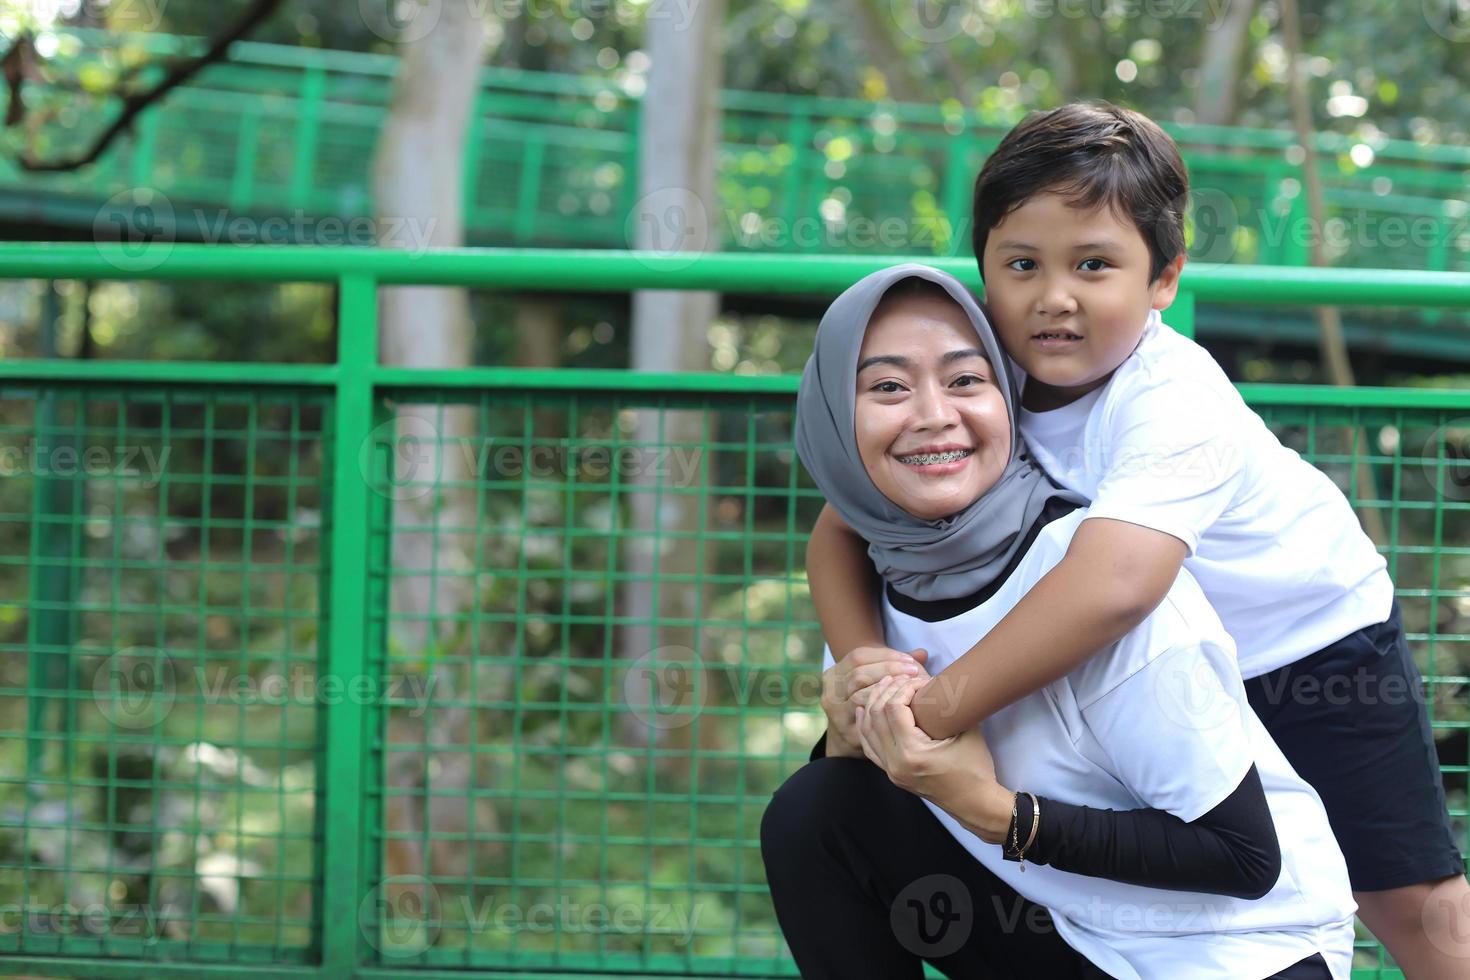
<point>678,139</point>
<point>417,188</point>
<point>1329,321</point>
<point>1219,68</point>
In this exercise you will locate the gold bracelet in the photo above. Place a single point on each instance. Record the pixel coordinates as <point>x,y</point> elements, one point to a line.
<point>1015,797</point>
<point>1035,824</point>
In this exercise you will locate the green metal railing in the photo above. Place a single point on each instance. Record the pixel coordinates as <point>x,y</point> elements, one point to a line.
<point>247,733</point>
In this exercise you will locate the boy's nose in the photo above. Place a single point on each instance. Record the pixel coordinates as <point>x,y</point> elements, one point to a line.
<point>1055,300</point>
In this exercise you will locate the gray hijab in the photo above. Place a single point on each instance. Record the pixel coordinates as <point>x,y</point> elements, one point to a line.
<point>941,559</point>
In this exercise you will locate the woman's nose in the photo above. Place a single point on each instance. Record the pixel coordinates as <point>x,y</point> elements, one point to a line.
<point>933,407</point>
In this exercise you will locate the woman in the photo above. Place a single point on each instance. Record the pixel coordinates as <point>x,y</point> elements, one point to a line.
<point>1141,789</point>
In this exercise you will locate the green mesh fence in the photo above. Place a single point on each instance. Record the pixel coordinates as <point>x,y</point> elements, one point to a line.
<point>367,671</point>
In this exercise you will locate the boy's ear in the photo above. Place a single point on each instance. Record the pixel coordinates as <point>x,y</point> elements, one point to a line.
<point>1166,286</point>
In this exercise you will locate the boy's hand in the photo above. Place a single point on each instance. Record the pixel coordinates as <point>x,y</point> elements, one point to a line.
<point>853,677</point>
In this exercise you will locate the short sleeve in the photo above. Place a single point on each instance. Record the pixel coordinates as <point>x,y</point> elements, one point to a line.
<point>1173,459</point>
<point>1175,732</point>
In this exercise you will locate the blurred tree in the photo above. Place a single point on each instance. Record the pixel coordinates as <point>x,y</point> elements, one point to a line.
<point>418,179</point>
<point>675,215</point>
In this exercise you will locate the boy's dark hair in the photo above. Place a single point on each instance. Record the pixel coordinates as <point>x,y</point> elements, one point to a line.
<point>1092,153</point>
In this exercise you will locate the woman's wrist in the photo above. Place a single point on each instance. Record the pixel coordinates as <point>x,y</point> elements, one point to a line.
<point>988,812</point>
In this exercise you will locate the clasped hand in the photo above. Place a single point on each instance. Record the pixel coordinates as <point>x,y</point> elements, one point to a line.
<point>956,774</point>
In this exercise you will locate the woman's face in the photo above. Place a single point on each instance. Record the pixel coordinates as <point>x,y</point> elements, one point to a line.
<point>931,422</point>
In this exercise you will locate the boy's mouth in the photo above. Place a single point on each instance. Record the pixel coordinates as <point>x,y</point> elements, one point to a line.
<point>1051,339</point>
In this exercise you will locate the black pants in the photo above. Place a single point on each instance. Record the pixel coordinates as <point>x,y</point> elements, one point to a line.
<point>867,883</point>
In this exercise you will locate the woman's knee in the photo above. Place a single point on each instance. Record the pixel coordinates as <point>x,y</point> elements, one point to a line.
<point>813,799</point>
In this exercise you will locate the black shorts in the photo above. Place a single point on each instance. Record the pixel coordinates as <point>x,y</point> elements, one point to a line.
<point>1352,720</point>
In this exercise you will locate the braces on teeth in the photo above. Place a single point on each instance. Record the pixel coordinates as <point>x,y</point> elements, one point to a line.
<point>924,459</point>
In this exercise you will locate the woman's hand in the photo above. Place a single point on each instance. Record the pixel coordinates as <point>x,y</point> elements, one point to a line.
<point>848,683</point>
<point>957,774</point>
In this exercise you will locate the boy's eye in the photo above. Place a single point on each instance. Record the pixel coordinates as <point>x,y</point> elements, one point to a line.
<point>1012,264</point>
<point>1101,264</point>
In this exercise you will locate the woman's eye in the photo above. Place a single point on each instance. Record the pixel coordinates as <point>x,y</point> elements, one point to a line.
<point>1101,264</point>
<point>1012,264</point>
<point>975,378</point>
<point>882,387</point>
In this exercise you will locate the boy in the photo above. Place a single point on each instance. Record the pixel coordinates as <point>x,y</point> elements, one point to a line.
<point>1079,234</point>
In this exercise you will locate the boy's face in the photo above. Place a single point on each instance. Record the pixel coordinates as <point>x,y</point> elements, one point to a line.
<point>1068,293</point>
<point>932,427</point>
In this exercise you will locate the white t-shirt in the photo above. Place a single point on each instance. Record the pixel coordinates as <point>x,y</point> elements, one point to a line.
<point>1159,719</point>
<point>1169,444</point>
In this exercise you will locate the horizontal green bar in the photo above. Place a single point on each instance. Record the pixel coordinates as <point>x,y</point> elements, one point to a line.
<point>600,380</point>
<point>108,968</point>
<point>619,271</point>
<point>1443,399</point>
<point>246,374</point>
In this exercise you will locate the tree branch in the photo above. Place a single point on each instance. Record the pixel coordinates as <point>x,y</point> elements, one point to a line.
<point>134,104</point>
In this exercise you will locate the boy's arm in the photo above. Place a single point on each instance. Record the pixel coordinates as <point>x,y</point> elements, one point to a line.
<point>844,585</point>
<point>1113,575</point>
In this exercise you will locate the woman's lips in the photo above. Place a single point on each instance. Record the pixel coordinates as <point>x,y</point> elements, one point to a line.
<point>939,469</point>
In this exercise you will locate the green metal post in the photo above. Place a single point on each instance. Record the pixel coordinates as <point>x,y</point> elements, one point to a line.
<point>242,184</point>
<point>308,132</point>
<point>345,722</point>
<point>49,639</point>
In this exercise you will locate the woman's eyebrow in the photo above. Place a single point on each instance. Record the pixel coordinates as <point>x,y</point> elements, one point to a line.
<point>903,362</point>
